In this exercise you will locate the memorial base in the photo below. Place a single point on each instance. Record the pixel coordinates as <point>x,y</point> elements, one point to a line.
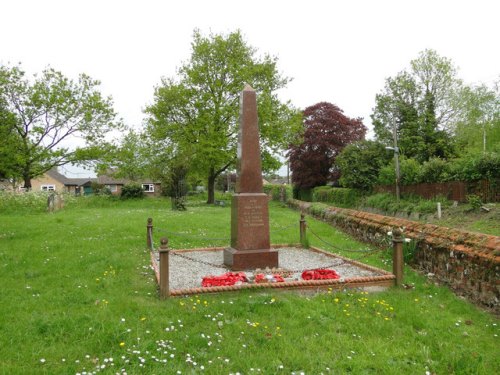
<point>239,260</point>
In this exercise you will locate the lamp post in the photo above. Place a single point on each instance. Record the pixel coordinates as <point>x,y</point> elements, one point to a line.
<point>396,156</point>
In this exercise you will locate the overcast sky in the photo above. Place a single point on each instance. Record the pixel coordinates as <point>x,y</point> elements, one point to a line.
<point>335,51</point>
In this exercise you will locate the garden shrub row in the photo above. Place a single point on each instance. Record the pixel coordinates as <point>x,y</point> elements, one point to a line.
<point>342,197</point>
<point>471,168</point>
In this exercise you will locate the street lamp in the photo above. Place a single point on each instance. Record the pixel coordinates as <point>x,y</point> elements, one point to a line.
<point>396,156</point>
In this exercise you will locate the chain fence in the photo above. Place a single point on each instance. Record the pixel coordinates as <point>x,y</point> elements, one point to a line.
<point>337,263</point>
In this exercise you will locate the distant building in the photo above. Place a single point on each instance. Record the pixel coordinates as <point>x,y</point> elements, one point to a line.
<point>52,180</point>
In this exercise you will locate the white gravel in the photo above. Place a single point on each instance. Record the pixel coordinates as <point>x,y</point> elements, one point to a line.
<point>188,273</point>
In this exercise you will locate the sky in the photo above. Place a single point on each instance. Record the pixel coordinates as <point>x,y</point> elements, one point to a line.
<point>336,51</point>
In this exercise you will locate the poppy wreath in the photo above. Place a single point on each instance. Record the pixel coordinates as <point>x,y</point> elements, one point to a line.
<point>320,274</point>
<point>226,279</point>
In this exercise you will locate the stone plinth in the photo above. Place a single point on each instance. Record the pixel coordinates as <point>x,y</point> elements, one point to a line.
<point>250,243</point>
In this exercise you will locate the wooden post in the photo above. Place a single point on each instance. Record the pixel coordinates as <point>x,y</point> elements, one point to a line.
<point>303,234</point>
<point>149,234</point>
<point>164,268</point>
<point>397,255</point>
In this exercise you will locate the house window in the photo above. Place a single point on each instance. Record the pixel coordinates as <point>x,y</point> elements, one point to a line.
<point>48,187</point>
<point>112,188</point>
<point>148,188</point>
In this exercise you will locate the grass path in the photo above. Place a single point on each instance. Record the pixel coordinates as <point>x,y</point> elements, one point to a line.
<point>78,296</point>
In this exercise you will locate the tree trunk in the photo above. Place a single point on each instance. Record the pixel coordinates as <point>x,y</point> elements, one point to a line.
<point>27,182</point>
<point>211,187</point>
<point>212,175</point>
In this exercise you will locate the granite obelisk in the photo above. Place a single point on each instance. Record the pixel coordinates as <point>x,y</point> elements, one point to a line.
<point>250,242</point>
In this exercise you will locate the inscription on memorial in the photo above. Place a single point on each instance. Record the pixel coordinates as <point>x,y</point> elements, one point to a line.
<point>252,214</point>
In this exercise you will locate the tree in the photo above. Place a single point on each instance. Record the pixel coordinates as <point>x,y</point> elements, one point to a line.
<point>10,142</point>
<point>478,129</point>
<point>326,132</point>
<point>422,104</point>
<point>128,159</point>
<point>197,114</point>
<point>360,164</point>
<point>48,114</point>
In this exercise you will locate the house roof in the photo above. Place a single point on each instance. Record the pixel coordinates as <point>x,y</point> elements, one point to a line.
<point>54,173</point>
<point>110,180</point>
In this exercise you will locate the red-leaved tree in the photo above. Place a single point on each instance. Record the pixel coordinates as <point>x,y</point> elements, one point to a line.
<point>326,132</point>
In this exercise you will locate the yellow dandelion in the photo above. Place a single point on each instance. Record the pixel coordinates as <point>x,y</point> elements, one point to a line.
<point>122,344</point>
<point>143,319</point>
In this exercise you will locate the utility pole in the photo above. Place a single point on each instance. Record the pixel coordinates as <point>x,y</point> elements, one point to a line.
<point>396,155</point>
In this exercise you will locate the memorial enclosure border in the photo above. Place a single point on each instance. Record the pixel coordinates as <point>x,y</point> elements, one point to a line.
<point>161,254</point>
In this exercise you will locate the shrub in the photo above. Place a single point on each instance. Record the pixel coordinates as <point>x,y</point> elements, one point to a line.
<point>474,201</point>
<point>435,170</point>
<point>274,190</point>
<point>343,197</point>
<point>476,167</point>
<point>410,172</point>
<point>99,189</point>
<point>360,164</point>
<point>302,194</point>
<point>132,191</point>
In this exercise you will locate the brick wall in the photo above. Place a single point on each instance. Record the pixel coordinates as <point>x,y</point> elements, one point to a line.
<point>468,262</point>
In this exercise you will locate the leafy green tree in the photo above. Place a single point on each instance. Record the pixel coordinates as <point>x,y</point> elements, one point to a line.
<point>360,164</point>
<point>10,144</point>
<point>128,159</point>
<point>478,129</point>
<point>197,114</point>
<point>48,114</point>
<point>422,105</point>
<point>410,172</point>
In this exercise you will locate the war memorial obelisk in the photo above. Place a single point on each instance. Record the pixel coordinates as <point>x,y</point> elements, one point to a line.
<point>250,242</point>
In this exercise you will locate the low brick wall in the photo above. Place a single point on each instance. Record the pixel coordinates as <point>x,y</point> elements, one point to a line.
<point>468,262</point>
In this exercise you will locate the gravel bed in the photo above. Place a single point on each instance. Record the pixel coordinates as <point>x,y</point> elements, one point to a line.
<point>188,273</point>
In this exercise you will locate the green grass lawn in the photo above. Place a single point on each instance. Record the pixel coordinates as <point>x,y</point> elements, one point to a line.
<point>78,295</point>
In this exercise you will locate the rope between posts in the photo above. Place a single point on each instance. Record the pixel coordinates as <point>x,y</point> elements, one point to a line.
<point>284,228</point>
<point>338,263</point>
<point>338,248</point>
<point>150,234</point>
<point>199,261</point>
<point>189,235</point>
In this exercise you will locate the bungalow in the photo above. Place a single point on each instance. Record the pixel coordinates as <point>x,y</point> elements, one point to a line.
<point>52,180</point>
<point>115,185</point>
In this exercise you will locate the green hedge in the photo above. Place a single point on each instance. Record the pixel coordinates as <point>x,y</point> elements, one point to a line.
<point>274,190</point>
<point>342,197</point>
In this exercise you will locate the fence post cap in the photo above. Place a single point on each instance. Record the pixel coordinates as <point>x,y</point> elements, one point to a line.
<point>397,235</point>
<point>150,220</point>
<point>164,244</point>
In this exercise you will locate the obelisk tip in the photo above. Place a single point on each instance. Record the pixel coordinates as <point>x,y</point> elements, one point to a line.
<point>248,87</point>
